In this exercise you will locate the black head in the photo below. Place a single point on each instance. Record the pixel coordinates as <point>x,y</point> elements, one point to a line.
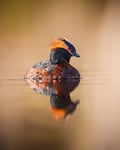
<point>62,50</point>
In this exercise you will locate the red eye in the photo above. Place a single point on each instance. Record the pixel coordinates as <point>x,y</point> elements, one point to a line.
<point>69,50</point>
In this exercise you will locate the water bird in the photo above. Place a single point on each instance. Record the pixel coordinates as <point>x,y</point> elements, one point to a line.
<point>58,66</point>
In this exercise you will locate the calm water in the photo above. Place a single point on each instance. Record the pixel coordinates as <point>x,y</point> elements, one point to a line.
<point>27,121</point>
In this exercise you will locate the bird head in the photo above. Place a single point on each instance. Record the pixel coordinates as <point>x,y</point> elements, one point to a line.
<point>61,50</point>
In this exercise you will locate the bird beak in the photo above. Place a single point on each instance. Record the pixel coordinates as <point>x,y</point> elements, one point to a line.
<point>75,54</point>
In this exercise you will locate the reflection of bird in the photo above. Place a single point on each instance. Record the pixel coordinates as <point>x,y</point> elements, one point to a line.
<point>62,106</point>
<point>57,67</point>
<point>52,88</point>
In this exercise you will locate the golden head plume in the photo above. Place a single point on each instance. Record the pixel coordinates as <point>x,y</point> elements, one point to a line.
<point>58,42</point>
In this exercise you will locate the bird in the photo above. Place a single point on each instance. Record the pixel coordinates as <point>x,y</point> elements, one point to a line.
<point>58,65</point>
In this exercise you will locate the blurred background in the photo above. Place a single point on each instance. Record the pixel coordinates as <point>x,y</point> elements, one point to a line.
<point>26,30</point>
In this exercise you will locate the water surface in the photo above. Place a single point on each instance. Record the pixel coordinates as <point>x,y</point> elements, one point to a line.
<point>26,119</point>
